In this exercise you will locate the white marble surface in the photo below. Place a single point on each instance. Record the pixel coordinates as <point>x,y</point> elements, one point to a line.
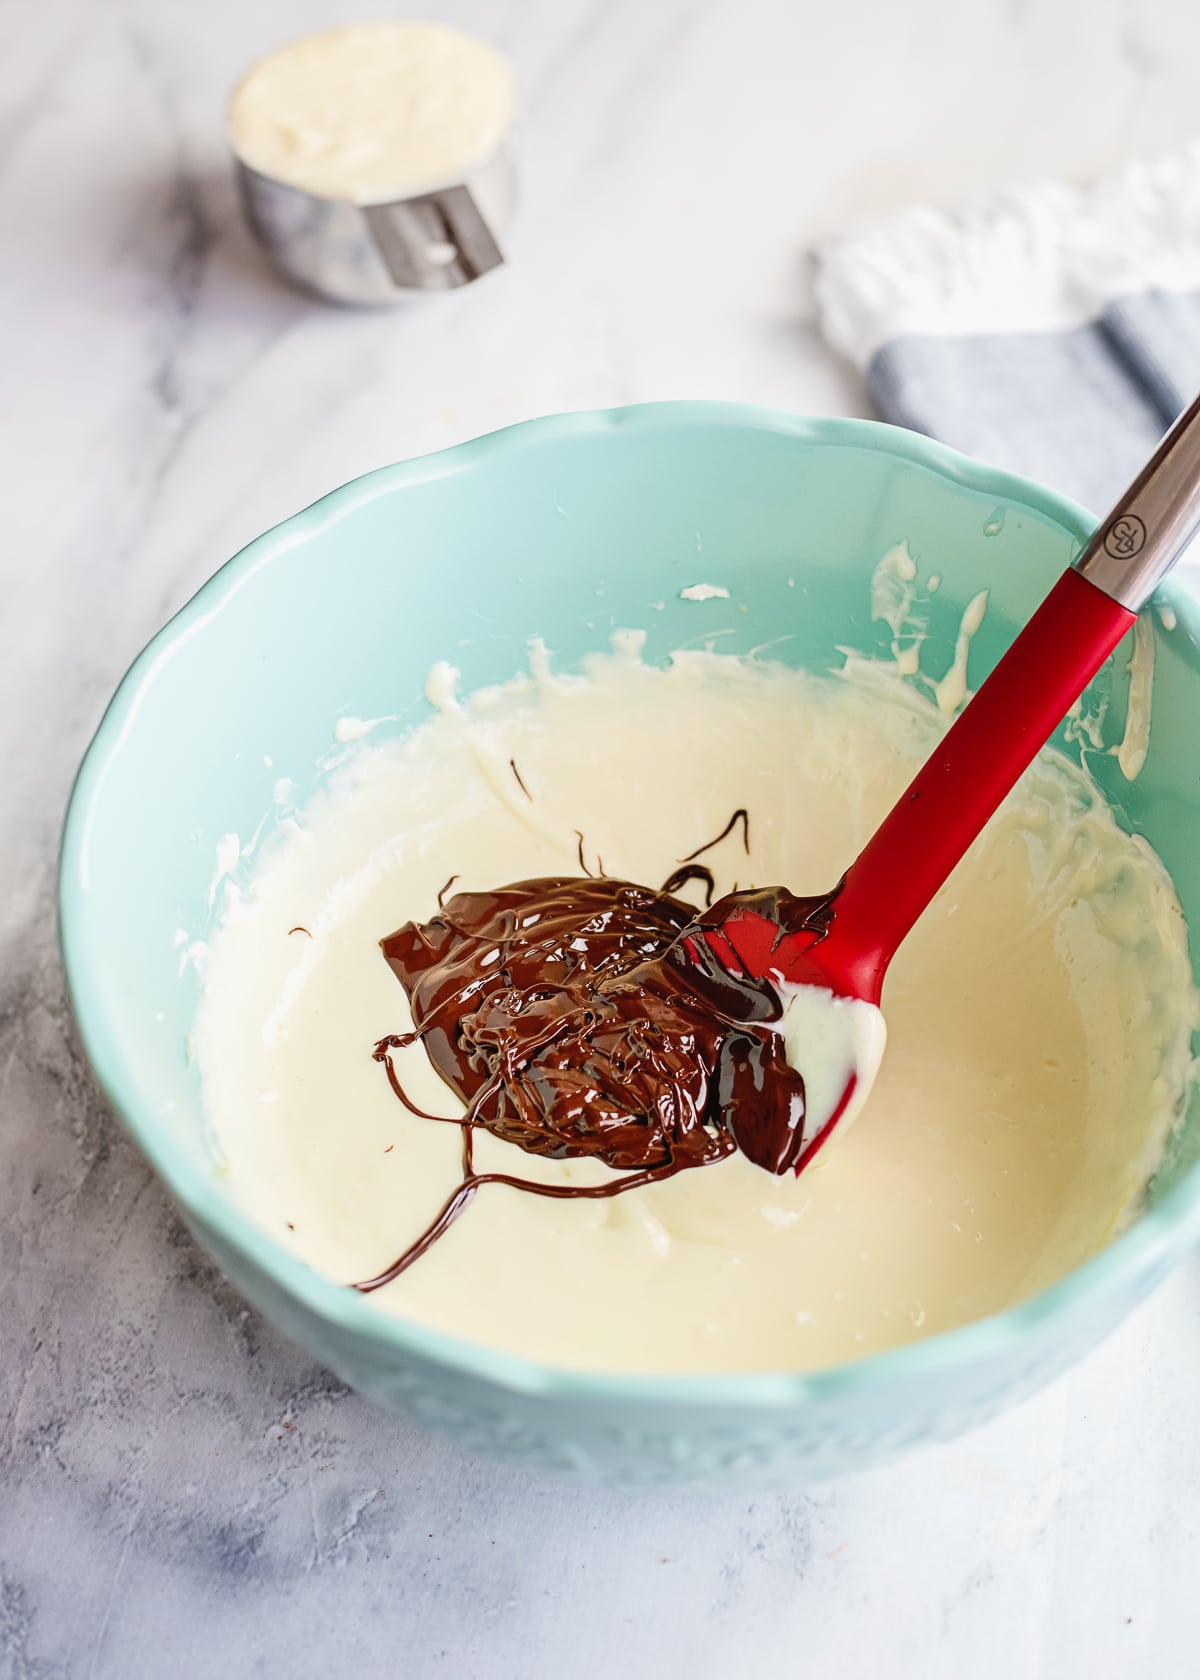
<point>181,1493</point>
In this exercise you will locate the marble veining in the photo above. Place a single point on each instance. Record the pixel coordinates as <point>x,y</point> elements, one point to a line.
<point>181,1492</point>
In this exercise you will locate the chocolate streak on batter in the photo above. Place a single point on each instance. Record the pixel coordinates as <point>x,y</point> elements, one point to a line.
<point>589,1017</point>
<point>692,872</point>
<point>591,874</point>
<point>741,815</point>
<point>512,765</point>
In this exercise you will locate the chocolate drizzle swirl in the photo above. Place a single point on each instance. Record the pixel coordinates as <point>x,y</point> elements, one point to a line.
<point>741,815</point>
<point>590,1018</point>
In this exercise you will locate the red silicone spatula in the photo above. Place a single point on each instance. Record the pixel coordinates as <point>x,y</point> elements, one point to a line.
<point>851,937</point>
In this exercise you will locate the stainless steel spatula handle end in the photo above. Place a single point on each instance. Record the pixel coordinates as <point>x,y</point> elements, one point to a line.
<point>1135,547</point>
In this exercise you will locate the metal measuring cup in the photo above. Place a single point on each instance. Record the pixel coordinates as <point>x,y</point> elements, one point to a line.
<point>382,253</point>
<point>430,241</point>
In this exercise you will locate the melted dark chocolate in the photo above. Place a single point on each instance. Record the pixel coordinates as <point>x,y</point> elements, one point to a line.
<point>588,1017</point>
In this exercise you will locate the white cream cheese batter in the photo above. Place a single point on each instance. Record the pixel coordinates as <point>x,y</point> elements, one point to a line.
<point>373,112</point>
<point>1038,1018</point>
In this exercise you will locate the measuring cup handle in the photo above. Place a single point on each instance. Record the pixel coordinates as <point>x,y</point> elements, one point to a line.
<point>433,242</point>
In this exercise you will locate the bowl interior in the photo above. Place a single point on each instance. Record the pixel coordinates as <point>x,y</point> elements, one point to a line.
<point>568,530</point>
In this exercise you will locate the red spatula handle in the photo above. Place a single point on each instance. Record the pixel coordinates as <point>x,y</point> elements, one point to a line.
<point>845,943</point>
<point>959,787</point>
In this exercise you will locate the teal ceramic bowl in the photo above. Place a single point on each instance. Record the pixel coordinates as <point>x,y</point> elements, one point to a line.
<point>569,528</point>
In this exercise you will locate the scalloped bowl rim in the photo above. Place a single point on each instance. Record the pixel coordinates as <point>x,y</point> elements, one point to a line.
<point>1156,1236</point>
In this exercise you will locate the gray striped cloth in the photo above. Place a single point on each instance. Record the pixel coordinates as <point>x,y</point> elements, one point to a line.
<point>1056,332</point>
